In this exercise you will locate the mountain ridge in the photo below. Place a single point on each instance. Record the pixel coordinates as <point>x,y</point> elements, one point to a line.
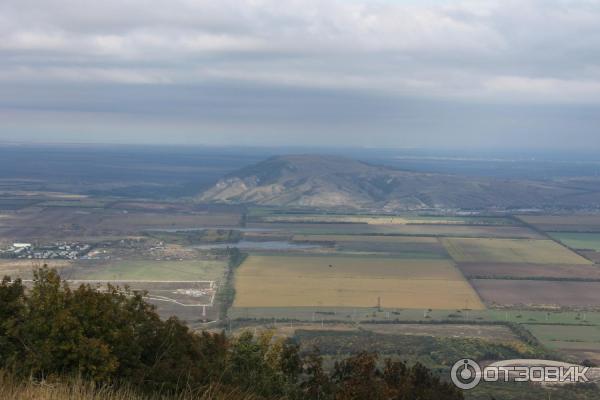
<point>337,182</point>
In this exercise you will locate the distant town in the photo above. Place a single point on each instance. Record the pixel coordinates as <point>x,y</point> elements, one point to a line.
<point>59,251</point>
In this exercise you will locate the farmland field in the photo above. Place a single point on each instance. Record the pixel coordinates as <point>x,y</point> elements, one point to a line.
<point>146,220</point>
<point>497,333</point>
<point>555,335</point>
<point>575,240</point>
<point>15,203</point>
<point>79,222</point>
<point>385,219</point>
<point>564,223</point>
<point>544,316</point>
<point>366,238</point>
<point>337,281</point>
<point>400,246</point>
<point>409,230</point>
<point>581,342</point>
<point>507,292</point>
<point>189,270</point>
<point>510,251</point>
<point>592,255</point>
<point>524,270</point>
<point>437,352</point>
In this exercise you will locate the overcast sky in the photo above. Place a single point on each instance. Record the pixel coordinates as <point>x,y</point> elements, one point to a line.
<point>397,73</point>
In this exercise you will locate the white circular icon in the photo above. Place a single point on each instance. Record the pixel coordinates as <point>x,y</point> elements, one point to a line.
<point>466,374</point>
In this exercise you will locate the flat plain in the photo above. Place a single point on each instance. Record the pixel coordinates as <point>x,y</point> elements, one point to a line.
<point>23,268</point>
<point>407,230</point>
<point>577,240</point>
<point>563,223</point>
<point>498,333</point>
<point>510,292</point>
<point>511,251</point>
<point>366,239</point>
<point>385,219</point>
<point>399,246</point>
<point>149,270</point>
<point>73,223</point>
<point>525,270</point>
<point>581,342</point>
<point>337,281</point>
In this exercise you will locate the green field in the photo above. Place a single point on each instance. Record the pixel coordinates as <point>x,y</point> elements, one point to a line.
<point>575,240</point>
<point>557,335</point>
<point>406,314</point>
<point>510,251</point>
<point>577,342</point>
<point>194,270</point>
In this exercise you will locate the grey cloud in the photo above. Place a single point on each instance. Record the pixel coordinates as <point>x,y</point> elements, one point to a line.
<point>454,72</point>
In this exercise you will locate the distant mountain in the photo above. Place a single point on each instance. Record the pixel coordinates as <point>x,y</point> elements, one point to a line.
<point>337,182</point>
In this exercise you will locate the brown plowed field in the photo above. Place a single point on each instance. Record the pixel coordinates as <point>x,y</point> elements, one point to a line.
<point>524,270</point>
<point>508,292</point>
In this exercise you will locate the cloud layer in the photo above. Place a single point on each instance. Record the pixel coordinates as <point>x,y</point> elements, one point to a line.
<point>401,59</point>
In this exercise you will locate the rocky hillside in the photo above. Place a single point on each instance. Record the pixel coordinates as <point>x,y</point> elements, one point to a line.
<point>328,181</point>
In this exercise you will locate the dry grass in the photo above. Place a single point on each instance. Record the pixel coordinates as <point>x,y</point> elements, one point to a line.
<point>24,268</point>
<point>510,251</point>
<point>331,281</point>
<point>11,389</point>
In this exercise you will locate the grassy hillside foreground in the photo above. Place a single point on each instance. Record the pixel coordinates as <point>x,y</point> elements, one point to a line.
<point>12,389</point>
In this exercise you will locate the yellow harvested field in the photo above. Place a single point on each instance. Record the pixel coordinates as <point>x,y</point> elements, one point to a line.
<point>510,251</point>
<point>365,239</point>
<point>332,281</point>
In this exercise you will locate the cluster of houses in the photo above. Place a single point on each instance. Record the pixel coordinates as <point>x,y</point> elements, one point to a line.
<point>63,251</point>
